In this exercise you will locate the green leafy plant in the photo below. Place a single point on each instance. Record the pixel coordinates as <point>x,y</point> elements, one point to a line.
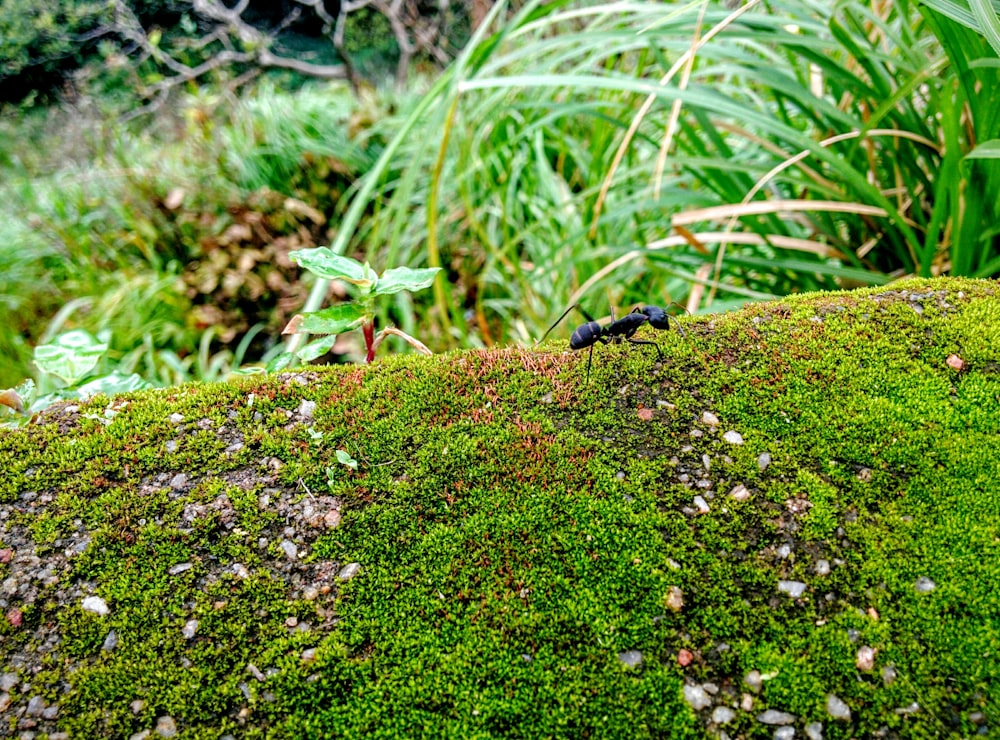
<point>365,285</point>
<point>69,367</point>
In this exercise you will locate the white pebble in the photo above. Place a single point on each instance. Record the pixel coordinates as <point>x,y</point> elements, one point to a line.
<point>349,571</point>
<point>190,629</point>
<point>814,731</point>
<point>763,461</point>
<point>774,717</point>
<point>95,604</point>
<point>697,697</point>
<point>733,438</point>
<point>865,660</point>
<point>784,733</point>
<point>822,567</point>
<point>740,493</point>
<point>924,585</point>
<point>754,681</point>
<point>180,568</point>
<point>707,417</point>
<point>888,674</point>
<point>795,589</point>
<point>631,658</point>
<point>837,708</point>
<point>701,504</point>
<point>176,418</point>
<point>723,715</point>
<point>288,547</point>
<point>166,726</point>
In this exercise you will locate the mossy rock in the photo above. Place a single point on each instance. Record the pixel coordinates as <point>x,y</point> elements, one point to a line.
<point>790,516</point>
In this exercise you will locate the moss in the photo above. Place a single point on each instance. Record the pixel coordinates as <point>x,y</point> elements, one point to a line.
<point>520,530</point>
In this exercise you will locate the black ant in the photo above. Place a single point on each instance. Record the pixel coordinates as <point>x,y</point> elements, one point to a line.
<point>617,331</point>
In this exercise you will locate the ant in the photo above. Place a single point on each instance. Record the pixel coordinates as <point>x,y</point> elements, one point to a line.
<point>617,331</point>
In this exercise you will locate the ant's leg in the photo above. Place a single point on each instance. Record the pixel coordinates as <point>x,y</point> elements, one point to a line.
<point>590,356</point>
<point>659,352</point>
<point>564,315</point>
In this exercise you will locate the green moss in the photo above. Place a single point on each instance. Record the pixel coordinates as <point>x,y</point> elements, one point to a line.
<point>519,530</point>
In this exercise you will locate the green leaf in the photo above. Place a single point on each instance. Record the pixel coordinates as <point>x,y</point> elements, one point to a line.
<point>325,263</point>
<point>987,150</point>
<point>333,320</point>
<point>316,348</point>
<point>70,356</point>
<point>113,383</point>
<point>345,459</point>
<point>404,278</point>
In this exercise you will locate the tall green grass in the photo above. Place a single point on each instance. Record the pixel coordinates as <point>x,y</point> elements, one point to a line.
<point>643,152</point>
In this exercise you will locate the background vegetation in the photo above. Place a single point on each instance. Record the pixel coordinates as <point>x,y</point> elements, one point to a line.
<point>572,151</point>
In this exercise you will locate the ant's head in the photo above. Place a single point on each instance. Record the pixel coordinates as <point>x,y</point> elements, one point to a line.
<point>657,317</point>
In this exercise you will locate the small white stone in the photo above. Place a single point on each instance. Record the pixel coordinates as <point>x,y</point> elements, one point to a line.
<point>924,585</point>
<point>675,599</point>
<point>822,567</point>
<point>837,708</point>
<point>723,715</point>
<point>190,629</point>
<point>865,660</point>
<point>166,726</point>
<point>795,589</point>
<point>707,417</point>
<point>697,697</point>
<point>733,438</point>
<point>96,605</point>
<point>754,681</point>
<point>288,547</point>
<point>774,717</point>
<point>349,571</point>
<point>784,733</point>
<point>740,493</point>
<point>631,658</point>
<point>701,504</point>
<point>814,731</point>
<point>763,461</point>
<point>176,418</point>
<point>180,568</point>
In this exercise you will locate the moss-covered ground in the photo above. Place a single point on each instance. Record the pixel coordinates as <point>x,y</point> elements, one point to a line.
<point>538,556</point>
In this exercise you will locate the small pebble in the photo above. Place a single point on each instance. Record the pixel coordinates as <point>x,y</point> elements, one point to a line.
<point>166,726</point>
<point>306,409</point>
<point>137,706</point>
<point>190,629</point>
<point>8,681</point>
<point>774,717</point>
<point>631,658</point>
<point>837,708</point>
<point>822,567</point>
<point>240,570</point>
<point>5,702</point>
<point>888,674</point>
<point>176,418</point>
<point>709,418</point>
<point>697,697</point>
<point>701,504</point>
<point>332,519</point>
<point>675,599</point>
<point>865,659</point>
<point>784,733</point>
<point>723,715</point>
<point>36,705</point>
<point>740,493</point>
<point>763,461</point>
<point>924,585</point>
<point>754,681</point>
<point>110,641</point>
<point>95,604</point>
<point>288,547</point>
<point>733,438</point>
<point>349,571</point>
<point>180,568</point>
<point>814,731</point>
<point>795,589</point>
<point>178,481</point>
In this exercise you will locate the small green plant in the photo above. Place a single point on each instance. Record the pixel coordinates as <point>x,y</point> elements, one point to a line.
<point>68,368</point>
<point>359,313</point>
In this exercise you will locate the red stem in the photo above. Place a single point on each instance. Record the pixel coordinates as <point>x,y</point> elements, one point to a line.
<point>369,331</point>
